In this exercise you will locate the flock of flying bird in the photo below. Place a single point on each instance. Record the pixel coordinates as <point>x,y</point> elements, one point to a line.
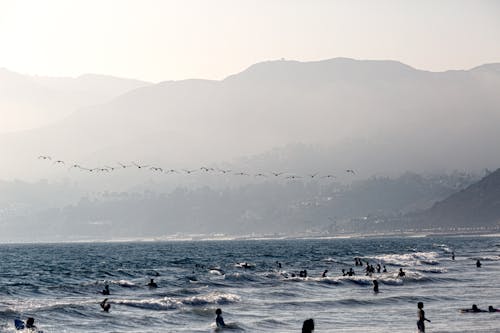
<point>202,169</point>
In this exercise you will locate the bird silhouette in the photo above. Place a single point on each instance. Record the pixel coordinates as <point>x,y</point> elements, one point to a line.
<point>276,174</point>
<point>350,171</point>
<point>241,174</point>
<point>260,175</point>
<point>110,168</point>
<point>124,166</point>
<point>139,166</point>
<point>189,171</point>
<point>156,169</point>
<point>328,176</point>
<point>59,162</point>
<point>293,177</point>
<point>312,175</point>
<point>44,157</point>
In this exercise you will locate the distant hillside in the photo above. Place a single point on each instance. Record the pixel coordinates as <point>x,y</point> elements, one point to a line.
<point>28,102</point>
<point>478,205</point>
<point>378,117</point>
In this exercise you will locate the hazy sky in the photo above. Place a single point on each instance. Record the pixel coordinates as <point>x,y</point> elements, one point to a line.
<point>161,40</point>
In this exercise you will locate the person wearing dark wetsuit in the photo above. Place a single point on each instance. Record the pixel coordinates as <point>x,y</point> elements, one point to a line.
<point>152,284</point>
<point>478,264</point>
<point>375,286</point>
<point>308,326</point>
<point>105,305</point>
<point>219,321</point>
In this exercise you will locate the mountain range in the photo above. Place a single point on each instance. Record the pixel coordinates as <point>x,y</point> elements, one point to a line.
<point>380,117</point>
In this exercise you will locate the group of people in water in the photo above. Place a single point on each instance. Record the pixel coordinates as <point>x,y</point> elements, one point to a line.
<point>308,325</point>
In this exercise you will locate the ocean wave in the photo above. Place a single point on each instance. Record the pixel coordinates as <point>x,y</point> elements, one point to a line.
<point>151,304</point>
<point>409,259</point>
<point>211,298</point>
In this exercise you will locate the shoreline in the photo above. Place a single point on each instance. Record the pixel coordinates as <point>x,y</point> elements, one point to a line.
<point>304,236</point>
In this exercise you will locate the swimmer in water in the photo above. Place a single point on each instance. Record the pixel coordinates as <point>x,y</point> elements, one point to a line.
<point>105,305</point>
<point>401,273</point>
<point>384,270</point>
<point>452,255</point>
<point>105,291</point>
<point>492,309</point>
<point>473,309</point>
<point>421,318</point>
<point>219,321</point>
<point>324,273</point>
<point>152,284</point>
<point>478,263</point>
<point>30,323</point>
<point>308,326</point>
<point>375,286</point>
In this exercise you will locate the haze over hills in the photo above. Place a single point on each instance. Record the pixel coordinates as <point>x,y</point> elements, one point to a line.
<point>28,102</point>
<point>382,117</point>
<point>477,205</point>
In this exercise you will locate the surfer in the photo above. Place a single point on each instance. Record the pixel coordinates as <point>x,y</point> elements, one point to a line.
<point>350,272</point>
<point>384,270</point>
<point>105,305</point>
<point>375,286</point>
<point>452,255</point>
<point>324,273</point>
<point>401,273</point>
<point>478,263</point>
<point>105,291</point>
<point>492,309</point>
<point>474,309</point>
<point>421,318</point>
<point>152,284</point>
<point>219,321</point>
<point>308,326</point>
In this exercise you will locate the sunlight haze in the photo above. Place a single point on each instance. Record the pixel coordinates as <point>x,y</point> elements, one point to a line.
<point>173,40</point>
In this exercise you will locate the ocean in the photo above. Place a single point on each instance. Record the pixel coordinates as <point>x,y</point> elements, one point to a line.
<point>59,285</point>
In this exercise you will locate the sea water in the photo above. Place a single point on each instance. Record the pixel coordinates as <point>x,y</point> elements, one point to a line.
<point>59,285</point>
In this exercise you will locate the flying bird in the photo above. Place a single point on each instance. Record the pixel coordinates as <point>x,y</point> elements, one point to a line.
<point>156,169</point>
<point>328,176</point>
<point>293,177</point>
<point>123,165</point>
<point>313,175</point>
<point>189,171</point>
<point>260,175</point>
<point>44,157</point>
<point>139,166</point>
<point>59,162</point>
<point>276,174</point>
<point>241,174</point>
<point>350,171</point>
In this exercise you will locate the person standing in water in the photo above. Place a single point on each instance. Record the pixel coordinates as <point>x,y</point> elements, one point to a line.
<point>478,263</point>
<point>308,326</point>
<point>375,286</point>
<point>421,318</point>
<point>219,321</point>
